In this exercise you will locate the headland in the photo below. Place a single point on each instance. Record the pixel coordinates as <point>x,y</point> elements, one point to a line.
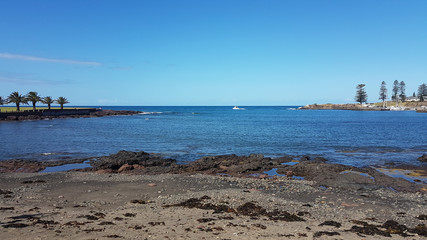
<point>389,106</point>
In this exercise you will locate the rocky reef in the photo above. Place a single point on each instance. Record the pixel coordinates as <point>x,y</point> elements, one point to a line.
<point>256,165</point>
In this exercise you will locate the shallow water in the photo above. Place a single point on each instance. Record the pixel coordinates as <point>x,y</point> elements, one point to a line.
<point>187,133</point>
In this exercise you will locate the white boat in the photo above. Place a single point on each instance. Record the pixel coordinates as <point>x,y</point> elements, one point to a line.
<point>236,108</point>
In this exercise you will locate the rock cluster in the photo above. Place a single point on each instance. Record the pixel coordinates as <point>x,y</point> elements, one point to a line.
<point>125,161</point>
<point>423,158</point>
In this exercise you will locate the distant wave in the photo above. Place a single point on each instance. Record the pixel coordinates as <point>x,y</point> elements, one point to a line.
<point>150,113</point>
<point>47,154</point>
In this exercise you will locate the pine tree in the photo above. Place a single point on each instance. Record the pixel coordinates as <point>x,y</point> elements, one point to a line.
<point>402,90</point>
<point>361,95</point>
<point>395,91</point>
<point>422,91</point>
<point>383,93</point>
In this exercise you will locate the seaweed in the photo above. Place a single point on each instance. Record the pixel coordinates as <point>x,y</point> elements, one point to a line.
<point>247,209</point>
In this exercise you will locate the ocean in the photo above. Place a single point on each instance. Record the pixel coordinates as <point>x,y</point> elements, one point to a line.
<point>358,138</point>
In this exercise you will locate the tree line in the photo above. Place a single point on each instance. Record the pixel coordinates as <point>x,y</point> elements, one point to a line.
<point>34,98</point>
<point>398,92</point>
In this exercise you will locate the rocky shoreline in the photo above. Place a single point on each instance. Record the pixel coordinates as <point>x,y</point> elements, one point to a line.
<point>96,113</point>
<point>137,195</point>
<point>417,106</point>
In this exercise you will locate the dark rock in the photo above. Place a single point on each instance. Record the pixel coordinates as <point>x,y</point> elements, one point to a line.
<point>116,161</point>
<point>423,158</point>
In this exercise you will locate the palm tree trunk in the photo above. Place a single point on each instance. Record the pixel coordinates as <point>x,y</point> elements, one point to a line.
<point>17,107</point>
<point>34,106</point>
<point>48,106</point>
<point>62,106</point>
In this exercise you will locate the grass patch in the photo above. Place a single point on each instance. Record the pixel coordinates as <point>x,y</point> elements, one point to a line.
<point>13,109</point>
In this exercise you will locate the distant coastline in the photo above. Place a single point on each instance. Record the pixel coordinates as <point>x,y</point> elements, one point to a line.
<point>390,106</point>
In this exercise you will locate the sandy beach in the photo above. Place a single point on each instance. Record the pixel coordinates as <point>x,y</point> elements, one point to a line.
<point>87,205</point>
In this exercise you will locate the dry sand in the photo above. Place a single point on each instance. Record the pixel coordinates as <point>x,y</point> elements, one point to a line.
<point>82,205</point>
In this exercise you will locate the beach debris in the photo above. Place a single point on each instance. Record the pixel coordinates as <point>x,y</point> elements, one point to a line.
<point>247,209</point>
<point>394,227</point>
<point>5,192</point>
<point>331,223</point>
<point>75,223</point>
<point>15,225</point>
<point>204,220</point>
<point>422,217</point>
<point>33,181</point>
<point>259,225</point>
<point>93,230</point>
<point>6,208</point>
<point>138,201</point>
<point>420,229</point>
<point>129,214</point>
<point>156,223</point>
<point>322,233</point>
<point>113,236</point>
<point>106,223</point>
<point>88,217</point>
<point>390,227</point>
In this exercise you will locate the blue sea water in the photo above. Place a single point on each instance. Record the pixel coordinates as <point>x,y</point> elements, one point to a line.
<point>356,138</point>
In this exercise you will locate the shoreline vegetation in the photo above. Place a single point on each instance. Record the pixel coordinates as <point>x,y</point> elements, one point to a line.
<point>390,106</point>
<point>134,195</point>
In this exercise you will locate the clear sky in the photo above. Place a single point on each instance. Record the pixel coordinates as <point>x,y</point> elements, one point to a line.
<point>216,52</point>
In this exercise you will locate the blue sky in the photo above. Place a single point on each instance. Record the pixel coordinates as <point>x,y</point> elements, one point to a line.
<point>222,52</point>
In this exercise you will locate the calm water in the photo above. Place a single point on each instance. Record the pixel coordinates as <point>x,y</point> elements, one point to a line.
<point>187,133</point>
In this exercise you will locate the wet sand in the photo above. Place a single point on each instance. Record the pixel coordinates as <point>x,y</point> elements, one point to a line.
<point>88,205</point>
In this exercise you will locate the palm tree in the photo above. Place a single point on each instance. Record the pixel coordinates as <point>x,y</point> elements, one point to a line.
<point>48,100</point>
<point>34,98</point>
<point>17,98</point>
<point>61,101</point>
